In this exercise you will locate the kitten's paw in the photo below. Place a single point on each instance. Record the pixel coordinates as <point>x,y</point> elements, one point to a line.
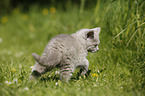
<point>32,78</point>
<point>83,72</point>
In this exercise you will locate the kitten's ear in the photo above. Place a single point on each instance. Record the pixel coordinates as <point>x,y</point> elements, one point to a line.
<point>97,29</point>
<point>90,34</point>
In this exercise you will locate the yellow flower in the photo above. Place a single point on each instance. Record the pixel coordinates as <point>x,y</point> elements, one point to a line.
<point>16,10</point>
<point>112,41</point>
<point>45,11</point>
<point>25,17</point>
<point>94,74</point>
<point>4,19</point>
<point>52,10</point>
<point>13,70</point>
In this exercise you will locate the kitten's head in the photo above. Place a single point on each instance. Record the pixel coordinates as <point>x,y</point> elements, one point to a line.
<point>92,39</point>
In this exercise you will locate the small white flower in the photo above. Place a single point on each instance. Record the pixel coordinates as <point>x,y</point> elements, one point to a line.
<point>31,67</point>
<point>26,88</point>
<point>20,66</point>
<point>1,40</point>
<point>95,85</point>
<point>35,82</point>
<point>19,54</point>
<point>15,80</point>
<point>98,71</point>
<point>104,75</point>
<point>56,83</point>
<point>135,1</point>
<point>56,72</point>
<point>9,52</point>
<point>8,82</point>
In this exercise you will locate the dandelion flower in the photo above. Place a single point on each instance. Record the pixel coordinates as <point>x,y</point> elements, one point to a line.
<point>45,11</point>
<point>52,10</point>
<point>4,19</point>
<point>13,70</point>
<point>94,74</point>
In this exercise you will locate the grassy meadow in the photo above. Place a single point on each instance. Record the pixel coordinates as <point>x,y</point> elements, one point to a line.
<point>117,69</point>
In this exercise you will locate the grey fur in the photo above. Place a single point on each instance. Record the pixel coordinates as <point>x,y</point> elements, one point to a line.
<point>67,52</point>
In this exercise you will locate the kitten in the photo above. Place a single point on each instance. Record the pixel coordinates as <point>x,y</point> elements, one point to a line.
<point>67,52</point>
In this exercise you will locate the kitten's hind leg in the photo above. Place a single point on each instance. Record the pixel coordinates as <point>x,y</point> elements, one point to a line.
<point>37,71</point>
<point>45,63</point>
<point>66,73</point>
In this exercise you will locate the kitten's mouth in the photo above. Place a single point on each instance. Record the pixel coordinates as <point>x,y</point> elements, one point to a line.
<point>93,50</point>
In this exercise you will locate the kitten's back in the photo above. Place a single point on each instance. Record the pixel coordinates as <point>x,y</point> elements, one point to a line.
<point>62,43</point>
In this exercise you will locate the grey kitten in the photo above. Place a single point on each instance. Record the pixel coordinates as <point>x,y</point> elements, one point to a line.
<point>67,52</point>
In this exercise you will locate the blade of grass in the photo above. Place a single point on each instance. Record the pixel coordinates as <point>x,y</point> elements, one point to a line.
<point>128,27</point>
<point>125,29</point>
<point>82,6</point>
<point>131,38</point>
<point>134,34</point>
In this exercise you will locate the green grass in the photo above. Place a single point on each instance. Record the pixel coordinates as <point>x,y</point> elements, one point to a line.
<point>119,65</point>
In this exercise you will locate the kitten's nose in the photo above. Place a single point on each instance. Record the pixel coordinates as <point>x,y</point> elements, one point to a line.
<point>95,45</point>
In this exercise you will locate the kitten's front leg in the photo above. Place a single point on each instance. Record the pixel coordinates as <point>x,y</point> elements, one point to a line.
<point>84,70</point>
<point>84,67</point>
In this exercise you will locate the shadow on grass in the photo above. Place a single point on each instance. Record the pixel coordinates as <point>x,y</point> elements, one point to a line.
<point>56,77</point>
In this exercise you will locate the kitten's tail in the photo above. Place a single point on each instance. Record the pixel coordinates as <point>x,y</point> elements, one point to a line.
<point>38,58</point>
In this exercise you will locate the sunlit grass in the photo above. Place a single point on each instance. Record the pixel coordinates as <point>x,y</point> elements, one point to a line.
<point>116,69</point>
